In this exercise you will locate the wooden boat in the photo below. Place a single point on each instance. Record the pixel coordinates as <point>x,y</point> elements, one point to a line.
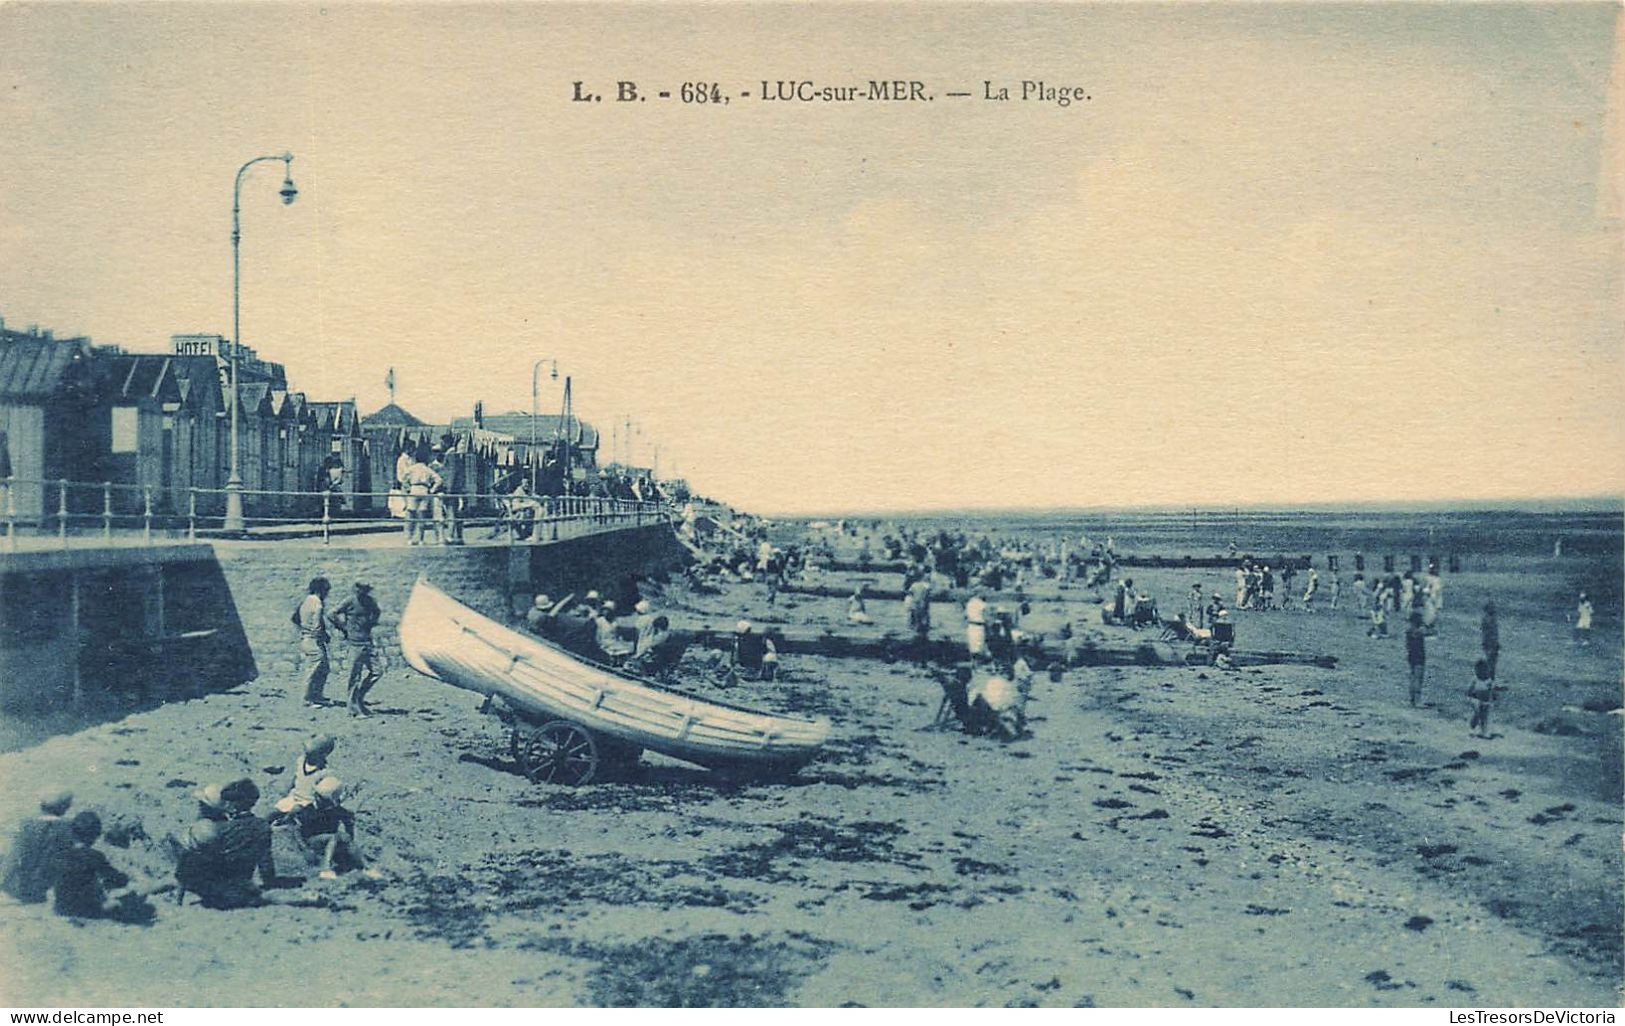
<point>572,716</point>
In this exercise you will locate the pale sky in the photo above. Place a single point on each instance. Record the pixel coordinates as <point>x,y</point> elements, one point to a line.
<point>1283,254</point>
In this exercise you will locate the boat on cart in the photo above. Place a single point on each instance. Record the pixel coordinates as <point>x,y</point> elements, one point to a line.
<point>572,719</point>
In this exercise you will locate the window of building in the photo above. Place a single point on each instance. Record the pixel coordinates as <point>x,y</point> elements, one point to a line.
<point>125,430</point>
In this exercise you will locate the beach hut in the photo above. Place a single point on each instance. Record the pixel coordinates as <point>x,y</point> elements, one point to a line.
<point>338,429</point>
<point>199,422</point>
<point>143,396</point>
<point>49,405</point>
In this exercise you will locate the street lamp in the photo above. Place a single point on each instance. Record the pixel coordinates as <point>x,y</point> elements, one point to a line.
<point>234,483</point>
<point>554,375</point>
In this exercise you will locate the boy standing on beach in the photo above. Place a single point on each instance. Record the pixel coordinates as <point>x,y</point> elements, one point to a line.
<point>1416,655</point>
<point>1379,614</point>
<point>356,617</point>
<point>311,619</point>
<point>1483,695</point>
<point>1489,632</point>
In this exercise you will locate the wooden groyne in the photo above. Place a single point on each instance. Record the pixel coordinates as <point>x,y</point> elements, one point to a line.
<point>893,647</point>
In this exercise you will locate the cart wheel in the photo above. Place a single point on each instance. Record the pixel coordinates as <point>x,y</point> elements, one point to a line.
<point>557,752</point>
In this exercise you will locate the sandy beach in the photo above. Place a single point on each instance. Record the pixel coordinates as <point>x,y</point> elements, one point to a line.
<point>1282,835</point>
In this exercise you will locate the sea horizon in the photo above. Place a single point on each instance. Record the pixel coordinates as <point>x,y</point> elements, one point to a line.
<point>1570,505</point>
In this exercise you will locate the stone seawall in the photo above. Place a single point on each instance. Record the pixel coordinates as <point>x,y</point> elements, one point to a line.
<point>93,634</point>
<point>268,581</point>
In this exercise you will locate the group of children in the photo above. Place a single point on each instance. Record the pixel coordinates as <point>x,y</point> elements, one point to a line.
<point>220,853</point>
<point>55,858</point>
<point>216,857</point>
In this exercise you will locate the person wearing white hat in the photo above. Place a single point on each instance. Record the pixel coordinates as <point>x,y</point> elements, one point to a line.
<point>997,707</point>
<point>540,611</point>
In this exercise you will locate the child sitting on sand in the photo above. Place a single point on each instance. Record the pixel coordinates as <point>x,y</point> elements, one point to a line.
<point>85,876</point>
<point>312,767</point>
<point>327,830</point>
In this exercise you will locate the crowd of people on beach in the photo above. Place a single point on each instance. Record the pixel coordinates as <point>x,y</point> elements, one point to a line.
<point>224,858</point>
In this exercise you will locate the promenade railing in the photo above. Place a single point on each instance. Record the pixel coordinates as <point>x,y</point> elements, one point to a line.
<point>83,512</point>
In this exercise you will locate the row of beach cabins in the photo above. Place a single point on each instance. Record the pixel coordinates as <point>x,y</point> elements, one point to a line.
<point>149,434</point>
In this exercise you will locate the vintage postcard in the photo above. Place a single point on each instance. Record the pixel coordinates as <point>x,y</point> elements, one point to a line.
<point>811,505</point>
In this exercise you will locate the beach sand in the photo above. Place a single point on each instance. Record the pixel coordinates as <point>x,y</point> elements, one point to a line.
<point>1283,835</point>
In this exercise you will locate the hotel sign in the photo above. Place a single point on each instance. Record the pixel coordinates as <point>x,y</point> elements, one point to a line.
<point>198,347</point>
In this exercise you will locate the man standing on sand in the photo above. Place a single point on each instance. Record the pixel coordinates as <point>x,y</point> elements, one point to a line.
<point>1194,606</point>
<point>1489,638</point>
<point>356,618</point>
<point>1430,591</point>
<point>1337,589</point>
<point>1311,586</point>
<point>976,625</point>
<point>311,619</point>
<point>1582,621</point>
<point>920,611</point>
<point>1483,693</point>
<point>1416,655</point>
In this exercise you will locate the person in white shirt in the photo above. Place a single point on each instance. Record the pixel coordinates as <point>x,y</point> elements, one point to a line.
<point>976,626</point>
<point>403,463</point>
<point>1582,621</point>
<point>420,480</point>
<point>1432,599</point>
<point>311,619</point>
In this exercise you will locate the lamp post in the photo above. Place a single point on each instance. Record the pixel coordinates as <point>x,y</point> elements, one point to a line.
<point>234,483</point>
<point>554,375</point>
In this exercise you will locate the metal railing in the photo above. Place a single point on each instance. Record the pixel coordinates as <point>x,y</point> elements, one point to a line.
<point>85,512</point>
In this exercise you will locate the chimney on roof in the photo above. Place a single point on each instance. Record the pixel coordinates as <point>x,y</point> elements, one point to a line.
<point>48,335</point>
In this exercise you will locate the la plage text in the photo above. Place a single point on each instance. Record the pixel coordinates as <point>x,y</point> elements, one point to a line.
<point>785,90</point>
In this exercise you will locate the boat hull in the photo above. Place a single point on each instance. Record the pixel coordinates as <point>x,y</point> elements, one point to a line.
<point>442,638</point>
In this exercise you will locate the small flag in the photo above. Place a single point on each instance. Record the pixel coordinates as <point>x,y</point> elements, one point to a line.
<point>389,383</point>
